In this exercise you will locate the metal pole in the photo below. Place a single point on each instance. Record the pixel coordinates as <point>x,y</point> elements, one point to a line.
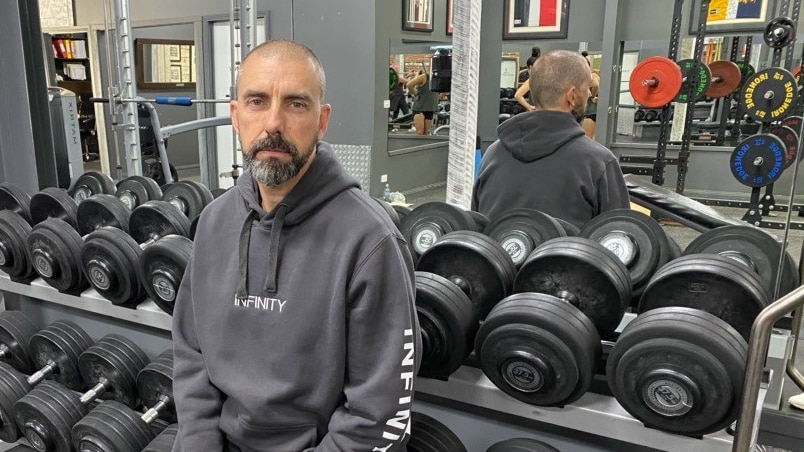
<point>234,24</point>
<point>131,124</point>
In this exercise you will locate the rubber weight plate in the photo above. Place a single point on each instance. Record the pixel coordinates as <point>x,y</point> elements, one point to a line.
<point>520,231</point>
<point>55,350</point>
<point>155,384</point>
<point>679,370</point>
<point>110,368</point>
<point>712,283</point>
<point>136,190</point>
<point>584,273</point>
<point>102,210</point>
<point>753,247</point>
<point>15,199</point>
<point>790,139</point>
<point>726,77</point>
<point>13,386</point>
<point>164,441</point>
<point>475,263</point>
<point>569,229</point>
<point>447,325</point>
<point>769,95</point>
<point>389,211</point>
<point>46,416</point>
<point>54,247</point>
<point>746,72</point>
<point>161,267</point>
<point>758,160</point>
<point>427,434</point>
<point>425,224</point>
<point>14,258</point>
<point>109,259</point>
<point>655,81</point>
<point>538,349</point>
<point>53,203</point>
<point>521,445</point>
<point>92,183</point>
<point>15,332</point>
<point>111,427</point>
<point>187,197</point>
<point>702,76</point>
<point>156,219</point>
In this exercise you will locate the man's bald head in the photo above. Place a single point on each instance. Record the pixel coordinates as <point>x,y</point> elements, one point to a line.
<point>554,73</point>
<point>281,48</point>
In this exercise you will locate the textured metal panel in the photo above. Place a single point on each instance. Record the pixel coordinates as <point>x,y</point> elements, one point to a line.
<point>356,160</point>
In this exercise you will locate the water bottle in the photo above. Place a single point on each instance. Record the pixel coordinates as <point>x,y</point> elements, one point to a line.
<point>386,194</point>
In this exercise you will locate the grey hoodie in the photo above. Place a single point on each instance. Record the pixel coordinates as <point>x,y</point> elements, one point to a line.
<point>542,160</point>
<point>295,329</point>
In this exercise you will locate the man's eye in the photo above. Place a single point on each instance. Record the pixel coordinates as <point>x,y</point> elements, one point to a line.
<point>297,104</point>
<point>255,101</point>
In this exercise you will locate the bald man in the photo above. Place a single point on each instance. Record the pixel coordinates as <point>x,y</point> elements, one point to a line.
<point>543,160</point>
<point>294,328</point>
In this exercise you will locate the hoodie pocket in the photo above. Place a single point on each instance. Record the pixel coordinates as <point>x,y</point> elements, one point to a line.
<point>279,438</point>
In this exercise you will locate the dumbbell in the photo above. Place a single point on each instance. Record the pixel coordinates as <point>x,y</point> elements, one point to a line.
<point>426,223</point>
<point>54,351</point>
<point>15,225</point>
<point>114,427</point>
<point>657,81</point>
<point>15,333</point>
<point>521,230</point>
<point>542,344</point>
<point>636,239</point>
<point>639,115</point>
<point>389,210</point>
<point>428,434</point>
<point>92,183</point>
<point>651,115</point>
<point>136,190</point>
<point>164,441</point>
<point>458,280</point>
<point>521,445</point>
<point>48,413</point>
<point>54,244</point>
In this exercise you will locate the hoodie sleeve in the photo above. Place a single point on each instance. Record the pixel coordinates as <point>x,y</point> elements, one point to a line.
<point>611,190</point>
<point>383,354</point>
<point>198,402</point>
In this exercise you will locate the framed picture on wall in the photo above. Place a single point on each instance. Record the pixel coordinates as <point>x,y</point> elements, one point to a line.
<point>417,15</point>
<point>449,17</point>
<point>725,16</point>
<point>174,52</point>
<point>535,19</point>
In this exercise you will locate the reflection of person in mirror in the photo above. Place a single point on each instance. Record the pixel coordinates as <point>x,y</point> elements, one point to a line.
<point>542,159</point>
<point>590,116</point>
<point>425,102</point>
<point>266,357</point>
<point>524,88</point>
<point>397,96</point>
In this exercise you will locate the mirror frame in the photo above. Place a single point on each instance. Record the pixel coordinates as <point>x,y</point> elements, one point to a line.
<point>139,45</point>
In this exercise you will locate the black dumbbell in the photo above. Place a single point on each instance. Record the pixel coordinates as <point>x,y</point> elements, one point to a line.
<point>519,231</point>
<point>164,441</point>
<point>679,366</point>
<point>542,344</point>
<point>48,413</point>
<point>426,223</point>
<point>13,386</point>
<point>54,244</point>
<point>458,280</point>
<point>428,434</point>
<point>521,445</point>
<point>136,190</point>
<point>15,333</point>
<point>389,210</point>
<point>651,115</point>
<point>15,225</point>
<point>639,115</point>
<point>114,427</point>
<point>92,183</point>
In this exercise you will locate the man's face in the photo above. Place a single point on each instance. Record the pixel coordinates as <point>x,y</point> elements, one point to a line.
<point>278,116</point>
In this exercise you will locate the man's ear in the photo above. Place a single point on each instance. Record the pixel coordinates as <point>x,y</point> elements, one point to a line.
<point>233,114</point>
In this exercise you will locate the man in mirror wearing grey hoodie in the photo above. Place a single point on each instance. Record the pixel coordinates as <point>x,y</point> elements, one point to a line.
<point>542,159</point>
<point>294,328</point>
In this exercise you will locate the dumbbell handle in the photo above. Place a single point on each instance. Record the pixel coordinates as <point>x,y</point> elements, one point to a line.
<point>156,410</point>
<point>42,373</point>
<point>95,392</point>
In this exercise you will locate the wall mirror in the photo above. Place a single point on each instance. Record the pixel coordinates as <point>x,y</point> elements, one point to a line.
<point>165,64</point>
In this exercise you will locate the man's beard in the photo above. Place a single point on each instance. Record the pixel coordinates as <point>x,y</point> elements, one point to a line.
<point>273,172</point>
<point>579,110</point>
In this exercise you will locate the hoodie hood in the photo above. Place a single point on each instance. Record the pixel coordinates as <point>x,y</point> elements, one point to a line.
<point>551,129</point>
<point>323,180</point>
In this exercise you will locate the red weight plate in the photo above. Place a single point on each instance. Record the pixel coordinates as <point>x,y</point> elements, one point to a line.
<point>725,78</point>
<point>790,139</point>
<point>655,81</point>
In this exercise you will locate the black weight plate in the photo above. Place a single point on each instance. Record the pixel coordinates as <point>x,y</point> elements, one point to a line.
<point>477,263</point>
<point>111,427</point>
<point>769,95</point>
<point>388,210</point>
<point>521,445</point>
<point>161,268</point>
<point>758,160</point>
<point>794,122</point>
<point>539,349</point>
<point>636,239</point>
<point>703,80</point>
<point>569,229</point>
<point>13,386</point>
<point>751,246</point>
<point>520,231</point>
<point>187,197</point>
<point>428,434</point>
<point>113,361</point>
<point>639,115</point>
<point>102,210</point>
<point>651,115</point>
<point>206,195</point>
<point>585,273</point>
<point>156,219</point>
<point>53,203</point>
<point>135,190</point>
<point>790,139</point>
<point>60,344</point>
<point>46,416</point>
<point>481,221</point>
<point>447,325</point>
<point>425,224</point>
<point>109,261</point>
<point>194,227</point>
<point>54,248</point>
<point>679,370</point>
<point>746,71</point>
<point>14,259</point>
<point>155,382</point>
<point>92,183</point>
<point>780,32</point>
<point>15,332</point>
<point>675,249</point>
<point>712,283</point>
<point>402,211</point>
<point>15,199</point>
<point>164,441</point>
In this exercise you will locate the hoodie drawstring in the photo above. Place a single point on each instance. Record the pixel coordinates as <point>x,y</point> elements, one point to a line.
<point>273,248</point>
<point>245,237</point>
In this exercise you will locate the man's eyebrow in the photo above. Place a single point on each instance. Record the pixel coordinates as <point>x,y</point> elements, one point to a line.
<point>287,97</point>
<point>255,93</point>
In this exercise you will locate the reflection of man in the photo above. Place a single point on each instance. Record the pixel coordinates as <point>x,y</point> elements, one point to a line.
<point>543,160</point>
